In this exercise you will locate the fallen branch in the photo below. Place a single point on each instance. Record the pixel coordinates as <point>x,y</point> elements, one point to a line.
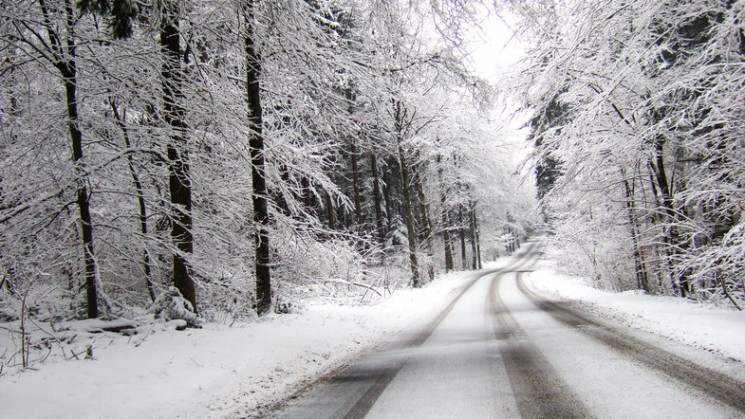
<point>124,328</point>
<point>359,284</point>
<point>726,292</point>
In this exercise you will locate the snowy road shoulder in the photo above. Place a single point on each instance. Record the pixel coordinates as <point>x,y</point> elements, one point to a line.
<point>217,371</point>
<point>712,329</point>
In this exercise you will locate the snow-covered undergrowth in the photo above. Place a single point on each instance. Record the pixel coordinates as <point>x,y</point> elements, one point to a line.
<point>148,368</point>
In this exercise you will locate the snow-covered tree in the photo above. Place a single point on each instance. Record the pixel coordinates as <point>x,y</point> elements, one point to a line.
<point>190,135</point>
<point>623,92</point>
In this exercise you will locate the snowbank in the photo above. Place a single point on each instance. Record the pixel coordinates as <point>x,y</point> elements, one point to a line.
<point>714,329</point>
<point>217,371</point>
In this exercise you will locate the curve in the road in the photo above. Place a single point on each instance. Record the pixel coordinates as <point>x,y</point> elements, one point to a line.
<point>356,388</point>
<point>712,383</point>
<point>382,378</point>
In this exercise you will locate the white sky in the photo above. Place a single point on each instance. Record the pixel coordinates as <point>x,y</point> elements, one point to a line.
<point>495,48</point>
<point>495,51</point>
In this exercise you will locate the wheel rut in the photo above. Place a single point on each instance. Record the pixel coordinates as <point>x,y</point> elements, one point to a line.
<point>384,377</point>
<point>537,388</point>
<point>355,389</point>
<point>713,384</point>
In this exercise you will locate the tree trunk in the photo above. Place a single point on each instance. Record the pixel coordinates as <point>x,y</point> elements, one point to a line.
<point>139,190</point>
<point>409,215</point>
<point>426,225</point>
<point>388,205</point>
<point>86,223</point>
<point>179,181</point>
<point>359,217</point>
<point>476,235</point>
<point>330,211</point>
<point>67,66</point>
<point>680,284</point>
<point>408,210</point>
<point>449,265</point>
<point>256,149</point>
<point>377,201</point>
<point>656,217</point>
<point>354,156</point>
<point>423,209</point>
<point>307,196</point>
<point>475,264</point>
<point>462,231</point>
<point>445,221</point>
<point>641,273</point>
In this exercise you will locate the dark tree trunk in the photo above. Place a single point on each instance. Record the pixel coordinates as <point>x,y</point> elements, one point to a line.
<point>656,217</point>
<point>256,149</point>
<point>179,181</point>
<point>359,217</point>
<point>426,225</point>
<point>406,188</point>
<point>65,62</point>
<point>423,209</point>
<point>139,190</point>
<point>639,266</point>
<point>449,265</point>
<point>354,156</point>
<point>345,219</point>
<point>86,223</point>
<point>377,198</point>
<point>680,284</point>
<point>477,238</point>
<point>308,198</point>
<point>409,215</point>
<point>462,230</point>
<point>330,211</point>
<point>445,221</point>
<point>278,197</point>
<point>388,206</point>
<point>475,262</point>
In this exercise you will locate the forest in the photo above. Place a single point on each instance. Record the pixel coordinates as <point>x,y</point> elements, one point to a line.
<point>204,159</point>
<point>639,142</point>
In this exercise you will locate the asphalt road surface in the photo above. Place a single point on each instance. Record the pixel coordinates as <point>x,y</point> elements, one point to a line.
<point>500,350</point>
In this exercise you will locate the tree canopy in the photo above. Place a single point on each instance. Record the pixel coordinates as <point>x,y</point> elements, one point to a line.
<point>231,156</point>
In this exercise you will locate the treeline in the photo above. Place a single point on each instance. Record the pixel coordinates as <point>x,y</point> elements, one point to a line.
<point>237,151</point>
<point>639,136</point>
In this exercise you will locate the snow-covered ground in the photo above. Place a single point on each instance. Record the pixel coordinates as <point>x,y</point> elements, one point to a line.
<point>230,371</point>
<point>714,329</point>
<point>218,371</point>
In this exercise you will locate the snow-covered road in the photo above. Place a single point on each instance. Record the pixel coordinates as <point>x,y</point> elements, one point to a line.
<point>500,349</point>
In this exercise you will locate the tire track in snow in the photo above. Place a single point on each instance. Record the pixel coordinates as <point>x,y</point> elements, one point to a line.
<point>712,383</point>
<point>381,381</point>
<point>536,386</point>
<point>384,377</point>
<point>351,391</point>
